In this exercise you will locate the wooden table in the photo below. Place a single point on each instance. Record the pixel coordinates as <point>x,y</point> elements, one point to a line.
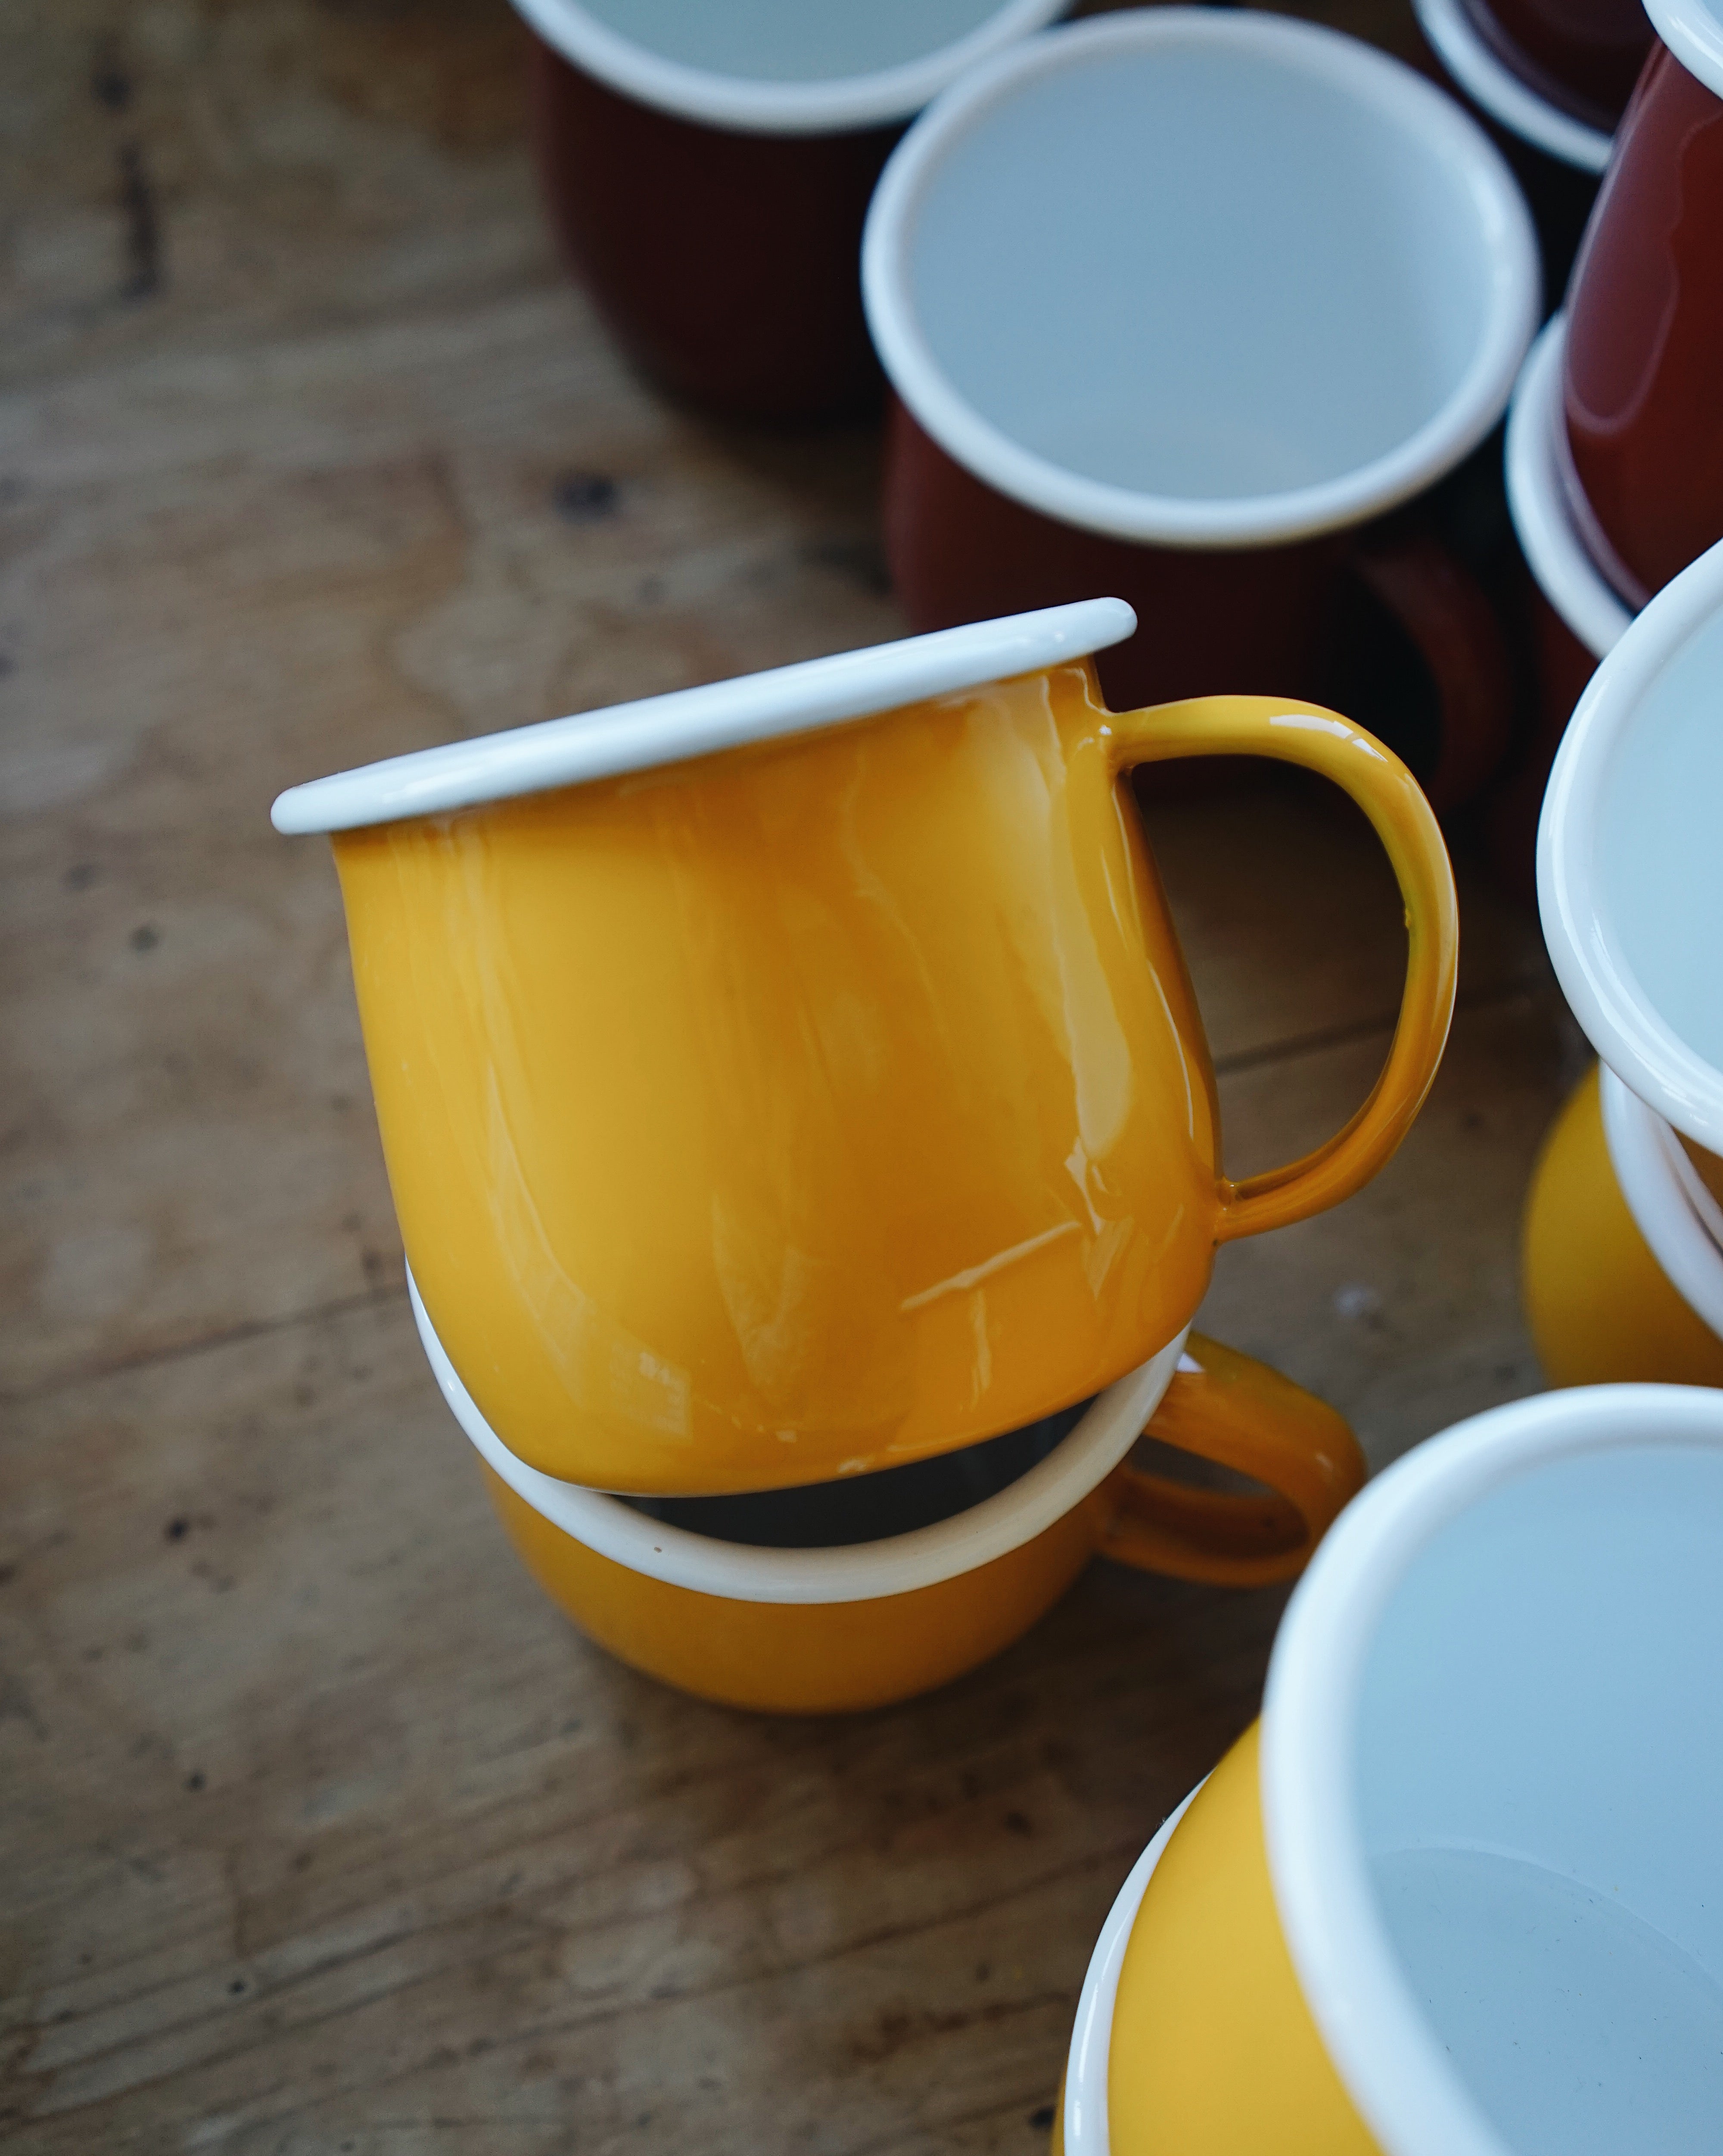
<point>321,1831</point>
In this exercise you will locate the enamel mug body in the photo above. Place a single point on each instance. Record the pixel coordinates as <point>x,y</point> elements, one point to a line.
<point>798,1076</point>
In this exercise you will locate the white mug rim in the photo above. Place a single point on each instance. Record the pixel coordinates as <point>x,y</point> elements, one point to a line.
<point>1617,1016</point>
<point>1695,35</point>
<point>1491,83</point>
<point>748,105</point>
<point>1554,553</point>
<point>1681,1220</point>
<point>685,723</point>
<point>1088,2123</point>
<point>855,1571</point>
<point>941,409</point>
<point>1394,2068</point>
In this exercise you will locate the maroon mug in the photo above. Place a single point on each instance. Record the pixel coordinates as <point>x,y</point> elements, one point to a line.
<point>706,169</point>
<point>1207,398</point>
<point>1583,56</point>
<point>1642,387</point>
<point>1556,144</point>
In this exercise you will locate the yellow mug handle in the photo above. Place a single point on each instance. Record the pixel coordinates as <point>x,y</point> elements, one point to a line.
<point>1239,1413</point>
<point>1391,797</point>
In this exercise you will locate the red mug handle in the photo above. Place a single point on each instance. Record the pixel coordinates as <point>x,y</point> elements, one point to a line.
<point>1443,608</point>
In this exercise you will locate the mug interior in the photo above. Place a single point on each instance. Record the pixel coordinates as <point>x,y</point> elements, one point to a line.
<point>1207,266</point>
<point>869,1508</point>
<point>793,41</point>
<point>1537,1759</point>
<point>1658,860</point>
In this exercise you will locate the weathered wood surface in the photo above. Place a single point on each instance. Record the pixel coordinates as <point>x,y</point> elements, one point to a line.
<point>320,1830</point>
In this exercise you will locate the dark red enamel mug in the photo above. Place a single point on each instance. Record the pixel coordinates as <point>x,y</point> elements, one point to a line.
<point>706,169</point>
<point>1643,389</point>
<point>1141,330</point>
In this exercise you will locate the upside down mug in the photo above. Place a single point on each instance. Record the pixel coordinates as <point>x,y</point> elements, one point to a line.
<point>839,1596</point>
<point>1645,320</point>
<point>795,1076</point>
<point>1180,303</point>
<point>1460,1892</point>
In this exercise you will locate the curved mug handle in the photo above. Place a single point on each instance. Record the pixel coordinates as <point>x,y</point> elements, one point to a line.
<point>1322,741</point>
<point>1230,1408</point>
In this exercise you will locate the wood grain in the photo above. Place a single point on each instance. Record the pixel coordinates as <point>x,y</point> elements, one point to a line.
<point>320,1830</point>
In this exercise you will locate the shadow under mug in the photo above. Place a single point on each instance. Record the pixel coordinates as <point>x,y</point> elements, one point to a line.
<point>1616,1270</point>
<point>1644,354</point>
<point>917,1574</point>
<point>796,1076</point>
<point>1142,339</point>
<point>1460,1890</point>
<point>706,178</point>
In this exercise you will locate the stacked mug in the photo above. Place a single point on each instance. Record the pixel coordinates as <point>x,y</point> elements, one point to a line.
<point>1615,447</point>
<point>806,1150</point>
<point>1624,1222</point>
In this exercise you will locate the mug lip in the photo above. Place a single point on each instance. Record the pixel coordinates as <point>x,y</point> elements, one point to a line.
<point>1088,2120</point>
<point>1681,1221</point>
<point>1627,1031</point>
<point>1394,2067</point>
<point>1489,82</point>
<point>1695,35</point>
<point>1537,500</point>
<point>683,723</point>
<point>747,104</point>
<point>852,1572</point>
<point>1415,106</point>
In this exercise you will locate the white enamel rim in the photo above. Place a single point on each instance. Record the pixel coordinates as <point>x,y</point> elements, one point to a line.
<point>1537,438</point>
<point>1414,106</point>
<point>1681,1220</point>
<point>773,108</point>
<point>1088,2129</point>
<point>691,722</point>
<point>861,1571</point>
<point>1386,2054</point>
<point>1695,35</point>
<point>1493,85</point>
<point>1617,1017</point>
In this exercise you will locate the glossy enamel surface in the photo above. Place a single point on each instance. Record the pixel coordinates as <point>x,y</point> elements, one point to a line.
<point>852,1624</point>
<point>1461,1897</point>
<point>836,1101</point>
<point>1645,335</point>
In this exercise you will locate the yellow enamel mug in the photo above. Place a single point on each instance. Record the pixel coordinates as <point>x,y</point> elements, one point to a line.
<point>1460,1892</point>
<point>788,1078</point>
<point>801,1627</point>
<point>1622,1257</point>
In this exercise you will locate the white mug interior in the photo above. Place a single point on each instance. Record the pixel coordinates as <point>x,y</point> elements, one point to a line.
<point>1491,1761</point>
<point>855,1571</point>
<point>1201,276</point>
<point>783,66</point>
<point>1630,854</point>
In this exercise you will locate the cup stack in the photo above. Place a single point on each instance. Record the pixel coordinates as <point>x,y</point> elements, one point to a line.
<point>1615,450</point>
<point>1624,1229</point>
<point>794,1083</point>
